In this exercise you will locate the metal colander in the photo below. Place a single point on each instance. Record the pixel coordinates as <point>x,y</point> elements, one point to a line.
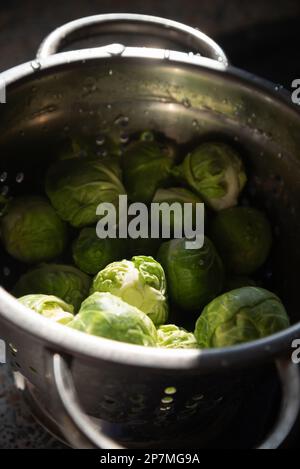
<point>139,395</point>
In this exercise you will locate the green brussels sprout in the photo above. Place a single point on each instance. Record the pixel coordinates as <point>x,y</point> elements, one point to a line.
<point>171,336</point>
<point>92,254</point>
<point>215,171</point>
<point>64,281</point>
<point>50,307</point>
<point>238,316</point>
<point>77,186</point>
<point>243,238</point>
<point>106,315</point>
<point>146,167</point>
<point>31,230</point>
<point>140,282</point>
<point>194,276</point>
<point>238,281</point>
<point>180,195</point>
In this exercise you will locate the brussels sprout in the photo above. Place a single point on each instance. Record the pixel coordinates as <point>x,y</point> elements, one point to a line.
<point>180,195</point>
<point>215,171</point>
<point>238,281</point>
<point>243,238</point>
<point>140,282</point>
<point>106,315</point>
<point>238,316</point>
<point>194,276</point>
<point>146,167</point>
<point>50,307</point>
<point>171,336</point>
<point>77,186</point>
<point>31,230</point>
<point>92,254</point>
<point>64,281</point>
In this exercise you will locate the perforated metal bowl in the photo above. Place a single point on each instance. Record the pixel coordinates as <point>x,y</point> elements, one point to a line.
<point>144,394</point>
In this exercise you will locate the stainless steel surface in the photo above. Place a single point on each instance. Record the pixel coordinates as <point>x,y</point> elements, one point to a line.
<point>186,97</point>
<point>82,432</point>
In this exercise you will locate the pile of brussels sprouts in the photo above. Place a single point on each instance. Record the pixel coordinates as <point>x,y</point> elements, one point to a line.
<point>136,290</point>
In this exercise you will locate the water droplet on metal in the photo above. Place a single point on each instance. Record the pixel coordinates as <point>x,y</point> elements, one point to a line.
<point>20,177</point>
<point>186,103</point>
<point>100,140</point>
<point>124,138</point>
<point>102,153</point>
<point>122,121</point>
<point>3,176</point>
<point>108,106</point>
<point>35,65</point>
<point>110,72</point>
<point>116,49</point>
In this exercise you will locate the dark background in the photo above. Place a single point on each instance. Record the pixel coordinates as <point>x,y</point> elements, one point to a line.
<point>259,36</point>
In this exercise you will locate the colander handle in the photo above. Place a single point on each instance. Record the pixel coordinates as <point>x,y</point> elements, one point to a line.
<point>82,433</point>
<point>79,429</point>
<point>187,37</point>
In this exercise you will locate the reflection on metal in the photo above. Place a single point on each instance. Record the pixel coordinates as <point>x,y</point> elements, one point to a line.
<point>2,91</point>
<point>2,352</point>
